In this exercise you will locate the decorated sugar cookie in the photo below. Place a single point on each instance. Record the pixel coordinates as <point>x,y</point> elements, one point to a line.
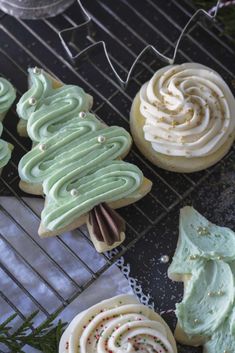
<point>77,164</point>
<point>7,97</point>
<point>183,119</point>
<point>5,151</point>
<point>120,324</point>
<point>205,261</point>
<point>48,105</point>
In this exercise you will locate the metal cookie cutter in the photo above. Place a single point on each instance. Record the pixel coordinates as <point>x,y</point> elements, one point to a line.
<point>69,39</point>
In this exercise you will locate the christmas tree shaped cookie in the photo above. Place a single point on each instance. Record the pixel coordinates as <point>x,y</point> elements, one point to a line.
<point>205,261</point>
<point>77,163</point>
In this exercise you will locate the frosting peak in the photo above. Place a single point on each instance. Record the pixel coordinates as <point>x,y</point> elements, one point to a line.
<point>48,107</point>
<point>188,110</point>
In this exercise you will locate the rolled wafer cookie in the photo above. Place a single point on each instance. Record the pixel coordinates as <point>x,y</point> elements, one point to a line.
<point>119,324</point>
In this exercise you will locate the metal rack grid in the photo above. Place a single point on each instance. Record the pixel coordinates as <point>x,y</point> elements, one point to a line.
<point>30,43</point>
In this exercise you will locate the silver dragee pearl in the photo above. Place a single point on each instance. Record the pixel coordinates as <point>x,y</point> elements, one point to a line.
<point>82,115</point>
<point>42,147</point>
<point>74,192</point>
<point>101,139</point>
<point>32,101</point>
<point>164,259</point>
<point>36,70</point>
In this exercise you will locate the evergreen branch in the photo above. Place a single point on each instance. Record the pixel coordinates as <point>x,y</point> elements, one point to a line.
<point>45,337</point>
<point>226,15</point>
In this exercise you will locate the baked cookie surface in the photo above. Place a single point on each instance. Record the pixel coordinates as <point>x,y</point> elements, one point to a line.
<point>183,119</point>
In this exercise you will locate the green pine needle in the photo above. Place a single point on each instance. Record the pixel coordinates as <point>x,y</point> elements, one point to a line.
<point>45,337</point>
<point>226,15</point>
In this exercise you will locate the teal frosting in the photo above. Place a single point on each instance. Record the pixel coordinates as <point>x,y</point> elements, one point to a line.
<point>52,107</point>
<point>81,157</point>
<point>5,152</point>
<point>206,254</point>
<point>7,95</point>
<point>56,111</point>
<point>40,87</point>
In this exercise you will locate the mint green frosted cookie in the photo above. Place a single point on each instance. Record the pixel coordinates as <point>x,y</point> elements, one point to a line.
<point>7,96</point>
<point>205,261</point>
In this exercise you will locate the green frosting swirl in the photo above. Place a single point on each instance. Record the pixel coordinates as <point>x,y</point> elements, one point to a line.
<point>80,157</point>
<point>5,151</point>
<point>7,95</point>
<point>52,107</point>
<point>206,252</point>
<point>56,111</point>
<point>40,87</point>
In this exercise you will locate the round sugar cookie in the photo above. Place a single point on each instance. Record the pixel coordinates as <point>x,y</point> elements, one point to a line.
<point>183,119</point>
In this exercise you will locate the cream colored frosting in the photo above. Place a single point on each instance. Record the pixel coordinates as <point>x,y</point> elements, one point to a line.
<point>188,110</point>
<point>117,325</point>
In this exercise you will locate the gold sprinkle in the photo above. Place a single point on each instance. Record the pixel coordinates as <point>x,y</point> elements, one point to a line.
<point>220,293</point>
<point>219,258</point>
<point>215,294</point>
<point>203,231</point>
<point>174,123</point>
<point>193,257</point>
<point>196,321</point>
<point>161,120</point>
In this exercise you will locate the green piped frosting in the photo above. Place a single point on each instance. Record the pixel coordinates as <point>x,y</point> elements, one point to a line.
<point>5,151</point>
<point>76,159</point>
<point>81,157</point>
<point>51,108</point>
<point>7,95</point>
<point>206,253</point>
<point>40,87</point>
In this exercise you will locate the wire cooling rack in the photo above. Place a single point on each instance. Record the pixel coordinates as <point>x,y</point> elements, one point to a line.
<point>127,27</point>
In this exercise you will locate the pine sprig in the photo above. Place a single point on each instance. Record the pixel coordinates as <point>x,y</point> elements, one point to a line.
<point>45,337</point>
<point>226,15</point>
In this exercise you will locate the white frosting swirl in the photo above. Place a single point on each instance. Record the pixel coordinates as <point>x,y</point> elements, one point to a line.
<point>189,110</point>
<point>117,325</point>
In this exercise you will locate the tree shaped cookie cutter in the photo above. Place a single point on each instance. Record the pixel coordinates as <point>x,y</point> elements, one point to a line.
<point>67,37</point>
